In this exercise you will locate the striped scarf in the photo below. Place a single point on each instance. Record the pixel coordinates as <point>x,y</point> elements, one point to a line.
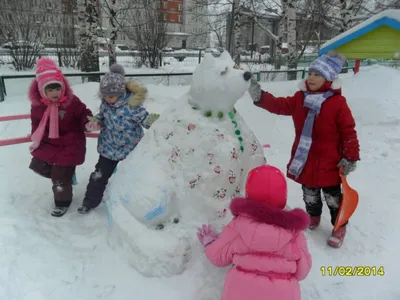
<point>314,103</point>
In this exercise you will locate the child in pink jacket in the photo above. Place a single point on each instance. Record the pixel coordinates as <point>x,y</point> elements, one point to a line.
<point>265,243</point>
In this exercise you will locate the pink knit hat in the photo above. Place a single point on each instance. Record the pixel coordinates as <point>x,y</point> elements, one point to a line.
<point>47,73</point>
<point>267,184</point>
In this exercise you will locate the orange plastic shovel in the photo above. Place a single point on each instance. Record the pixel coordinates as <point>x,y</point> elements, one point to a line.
<point>349,203</point>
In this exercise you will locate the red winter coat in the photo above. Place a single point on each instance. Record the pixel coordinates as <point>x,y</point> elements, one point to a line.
<point>334,136</point>
<point>70,148</point>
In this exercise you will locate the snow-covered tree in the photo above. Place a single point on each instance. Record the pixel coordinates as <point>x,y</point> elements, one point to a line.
<point>88,24</point>
<point>23,26</point>
<point>144,26</point>
<point>236,30</point>
<point>116,12</point>
<point>291,38</point>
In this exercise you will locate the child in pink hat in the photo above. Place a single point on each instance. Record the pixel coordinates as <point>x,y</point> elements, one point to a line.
<point>59,121</point>
<point>265,244</point>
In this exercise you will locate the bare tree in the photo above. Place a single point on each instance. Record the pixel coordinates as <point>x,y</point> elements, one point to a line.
<point>116,12</point>
<point>88,23</point>
<point>65,37</point>
<point>24,28</point>
<point>217,25</point>
<point>291,38</point>
<point>146,28</point>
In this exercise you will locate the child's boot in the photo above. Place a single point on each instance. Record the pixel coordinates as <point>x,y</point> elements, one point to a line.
<point>84,209</point>
<point>59,211</point>
<point>314,222</point>
<point>337,237</point>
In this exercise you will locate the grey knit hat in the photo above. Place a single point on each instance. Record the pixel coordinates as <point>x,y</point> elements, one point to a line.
<point>113,83</point>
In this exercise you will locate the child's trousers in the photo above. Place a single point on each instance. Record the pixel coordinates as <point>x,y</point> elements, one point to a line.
<point>98,181</point>
<point>61,178</point>
<point>333,197</point>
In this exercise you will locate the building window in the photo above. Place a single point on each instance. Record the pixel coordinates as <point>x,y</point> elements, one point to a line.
<point>180,18</point>
<point>165,5</point>
<point>165,17</point>
<point>179,7</point>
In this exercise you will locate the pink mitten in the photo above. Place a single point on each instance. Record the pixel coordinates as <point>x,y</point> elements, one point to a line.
<point>92,126</point>
<point>206,235</point>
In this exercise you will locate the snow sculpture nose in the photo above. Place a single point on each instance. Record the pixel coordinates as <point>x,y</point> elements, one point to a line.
<point>247,75</point>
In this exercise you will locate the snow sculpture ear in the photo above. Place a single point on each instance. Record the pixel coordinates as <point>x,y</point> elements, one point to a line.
<point>226,57</point>
<point>207,60</point>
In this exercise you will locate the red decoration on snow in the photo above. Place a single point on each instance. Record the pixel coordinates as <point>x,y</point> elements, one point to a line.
<point>220,136</point>
<point>222,213</point>
<point>194,182</point>
<point>237,190</point>
<point>221,193</point>
<point>174,154</point>
<point>210,156</point>
<point>231,177</point>
<point>254,146</point>
<point>191,126</point>
<point>234,154</point>
<point>218,169</point>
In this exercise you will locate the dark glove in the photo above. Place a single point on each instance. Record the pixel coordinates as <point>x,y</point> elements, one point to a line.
<point>255,90</point>
<point>348,166</point>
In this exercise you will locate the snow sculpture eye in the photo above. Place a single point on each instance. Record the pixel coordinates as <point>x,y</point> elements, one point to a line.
<point>223,72</point>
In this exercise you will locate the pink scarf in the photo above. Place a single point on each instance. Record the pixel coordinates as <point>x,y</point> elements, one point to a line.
<point>52,114</point>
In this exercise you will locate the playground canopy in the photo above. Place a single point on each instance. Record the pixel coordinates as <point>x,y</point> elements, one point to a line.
<point>376,37</point>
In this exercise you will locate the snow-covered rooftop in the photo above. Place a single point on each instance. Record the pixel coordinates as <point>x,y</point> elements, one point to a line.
<point>390,17</point>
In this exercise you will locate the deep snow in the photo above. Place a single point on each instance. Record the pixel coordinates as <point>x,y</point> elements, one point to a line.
<point>44,258</point>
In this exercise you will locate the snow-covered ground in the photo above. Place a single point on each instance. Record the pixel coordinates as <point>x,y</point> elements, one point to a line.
<point>45,258</point>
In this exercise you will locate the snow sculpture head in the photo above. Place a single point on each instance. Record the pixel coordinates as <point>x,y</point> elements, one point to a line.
<point>217,85</point>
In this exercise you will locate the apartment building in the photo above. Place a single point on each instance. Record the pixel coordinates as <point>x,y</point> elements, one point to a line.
<point>50,22</point>
<point>185,28</point>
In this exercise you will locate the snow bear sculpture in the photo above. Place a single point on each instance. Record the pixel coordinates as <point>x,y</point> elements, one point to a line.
<point>185,171</point>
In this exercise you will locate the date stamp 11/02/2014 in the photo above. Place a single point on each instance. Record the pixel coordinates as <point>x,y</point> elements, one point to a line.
<point>346,271</point>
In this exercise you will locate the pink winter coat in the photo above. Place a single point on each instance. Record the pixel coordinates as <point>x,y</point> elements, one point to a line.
<point>268,250</point>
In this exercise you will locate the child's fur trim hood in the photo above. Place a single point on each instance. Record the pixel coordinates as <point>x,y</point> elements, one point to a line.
<point>296,219</point>
<point>139,93</point>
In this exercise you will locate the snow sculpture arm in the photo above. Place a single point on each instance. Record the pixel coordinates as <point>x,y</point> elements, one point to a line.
<point>348,134</point>
<point>304,263</point>
<point>220,252</point>
<point>278,105</point>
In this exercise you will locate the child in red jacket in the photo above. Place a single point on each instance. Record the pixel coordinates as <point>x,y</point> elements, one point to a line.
<point>58,131</point>
<point>325,137</point>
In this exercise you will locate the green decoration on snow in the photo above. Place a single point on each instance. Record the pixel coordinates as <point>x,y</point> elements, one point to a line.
<point>237,131</point>
<point>208,113</point>
<point>220,115</point>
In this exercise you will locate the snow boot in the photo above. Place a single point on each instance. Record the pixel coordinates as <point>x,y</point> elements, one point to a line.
<point>337,237</point>
<point>314,222</point>
<point>59,211</point>
<point>84,209</point>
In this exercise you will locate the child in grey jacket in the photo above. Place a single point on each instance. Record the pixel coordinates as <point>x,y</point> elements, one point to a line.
<point>120,122</point>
